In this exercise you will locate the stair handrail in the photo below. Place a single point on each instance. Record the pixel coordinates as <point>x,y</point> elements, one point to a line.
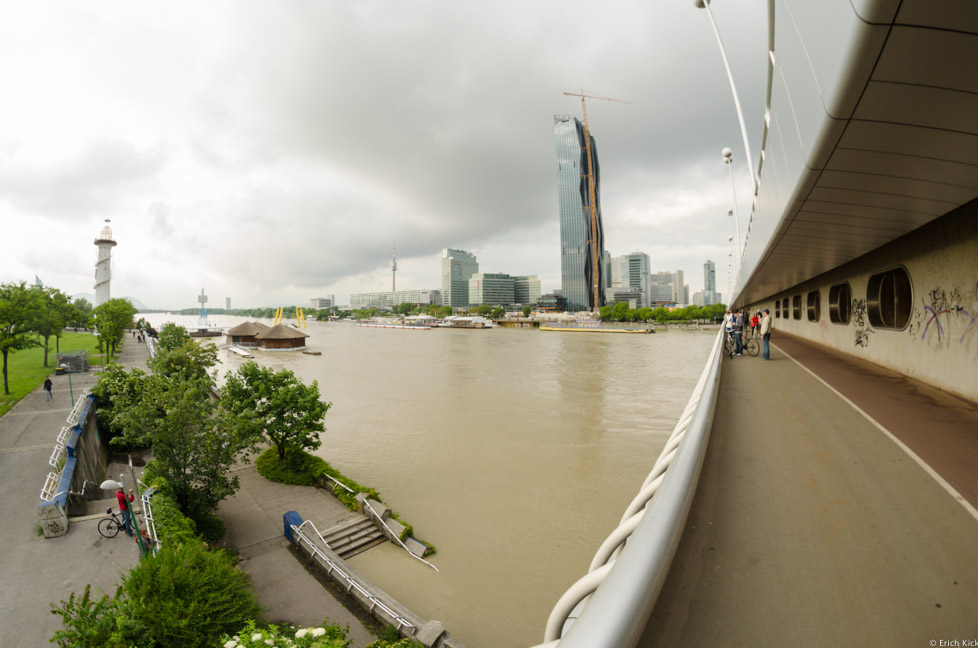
<point>394,535</point>
<point>353,584</point>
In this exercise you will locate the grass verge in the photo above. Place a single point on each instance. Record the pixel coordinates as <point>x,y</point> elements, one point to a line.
<point>26,370</point>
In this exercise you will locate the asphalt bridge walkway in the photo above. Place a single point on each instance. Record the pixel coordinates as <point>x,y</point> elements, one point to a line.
<point>815,525</point>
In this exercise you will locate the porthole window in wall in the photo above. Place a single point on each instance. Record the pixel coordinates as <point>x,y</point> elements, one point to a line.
<point>889,298</point>
<point>840,303</point>
<point>784,308</point>
<point>777,308</point>
<point>814,306</point>
<point>796,307</point>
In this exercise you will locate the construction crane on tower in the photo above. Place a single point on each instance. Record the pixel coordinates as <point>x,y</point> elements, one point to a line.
<point>592,208</point>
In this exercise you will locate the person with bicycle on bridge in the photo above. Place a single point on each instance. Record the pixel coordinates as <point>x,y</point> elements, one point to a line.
<point>124,508</point>
<point>738,333</point>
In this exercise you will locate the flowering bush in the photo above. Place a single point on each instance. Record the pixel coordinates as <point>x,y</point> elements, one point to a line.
<point>330,636</point>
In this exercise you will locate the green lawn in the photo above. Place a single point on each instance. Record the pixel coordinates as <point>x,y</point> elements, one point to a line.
<point>26,370</point>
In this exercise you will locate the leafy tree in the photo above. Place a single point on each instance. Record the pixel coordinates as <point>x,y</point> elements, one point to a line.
<point>278,404</point>
<point>498,312</point>
<point>112,319</point>
<point>83,312</point>
<point>442,312</point>
<point>189,361</point>
<point>50,316</point>
<point>116,391</point>
<point>18,303</point>
<point>193,446</point>
<point>644,314</point>
<point>527,310</point>
<point>619,312</point>
<point>172,336</point>
<point>604,314</point>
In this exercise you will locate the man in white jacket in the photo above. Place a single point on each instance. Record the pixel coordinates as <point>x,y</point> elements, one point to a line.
<point>766,333</point>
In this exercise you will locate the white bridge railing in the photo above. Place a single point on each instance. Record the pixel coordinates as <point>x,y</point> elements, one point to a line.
<point>614,599</point>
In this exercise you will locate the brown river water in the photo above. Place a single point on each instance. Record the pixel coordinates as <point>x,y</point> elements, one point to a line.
<point>513,451</point>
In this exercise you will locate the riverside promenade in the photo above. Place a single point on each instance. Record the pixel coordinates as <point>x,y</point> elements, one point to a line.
<point>285,589</point>
<point>37,572</point>
<point>836,507</point>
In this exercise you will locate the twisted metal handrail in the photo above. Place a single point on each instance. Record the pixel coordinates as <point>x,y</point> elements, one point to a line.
<point>625,579</point>
<point>333,566</point>
<point>383,522</point>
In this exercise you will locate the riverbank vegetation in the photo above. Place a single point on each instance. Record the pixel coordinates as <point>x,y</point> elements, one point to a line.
<point>620,312</point>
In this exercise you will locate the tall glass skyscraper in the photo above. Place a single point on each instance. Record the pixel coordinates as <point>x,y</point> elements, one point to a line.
<point>457,267</point>
<point>579,270</point>
<point>709,283</point>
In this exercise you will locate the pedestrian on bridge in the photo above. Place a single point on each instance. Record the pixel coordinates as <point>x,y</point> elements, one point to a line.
<point>738,333</point>
<point>766,333</point>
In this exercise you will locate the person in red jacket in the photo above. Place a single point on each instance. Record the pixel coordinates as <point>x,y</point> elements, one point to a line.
<point>754,323</point>
<point>124,509</point>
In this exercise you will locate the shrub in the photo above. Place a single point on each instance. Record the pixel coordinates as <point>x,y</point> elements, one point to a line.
<point>253,636</point>
<point>91,623</point>
<point>188,596</point>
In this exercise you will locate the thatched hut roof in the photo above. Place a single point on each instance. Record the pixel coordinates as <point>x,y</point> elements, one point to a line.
<point>281,332</point>
<point>248,329</point>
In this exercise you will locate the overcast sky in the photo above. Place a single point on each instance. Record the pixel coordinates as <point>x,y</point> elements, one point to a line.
<point>275,151</point>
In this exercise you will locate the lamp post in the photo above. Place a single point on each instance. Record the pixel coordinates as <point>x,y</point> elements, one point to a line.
<point>728,160</point>
<point>705,4</point>
<point>111,484</point>
<point>71,392</point>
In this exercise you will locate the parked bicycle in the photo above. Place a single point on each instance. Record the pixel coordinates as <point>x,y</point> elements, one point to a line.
<point>109,527</point>
<point>750,344</point>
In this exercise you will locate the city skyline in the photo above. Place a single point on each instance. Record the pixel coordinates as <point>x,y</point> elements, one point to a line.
<point>253,160</point>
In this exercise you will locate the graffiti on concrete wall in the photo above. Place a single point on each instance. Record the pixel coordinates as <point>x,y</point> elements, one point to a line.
<point>861,319</point>
<point>946,316</point>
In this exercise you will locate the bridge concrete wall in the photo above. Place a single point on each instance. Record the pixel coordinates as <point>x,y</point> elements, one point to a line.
<point>939,343</point>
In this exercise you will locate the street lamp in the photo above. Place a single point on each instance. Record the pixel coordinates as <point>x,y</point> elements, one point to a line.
<point>70,390</point>
<point>705,4</point>
<point>728,160</point>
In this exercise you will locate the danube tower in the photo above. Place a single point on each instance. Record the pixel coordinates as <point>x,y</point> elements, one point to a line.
<point>103,267</point>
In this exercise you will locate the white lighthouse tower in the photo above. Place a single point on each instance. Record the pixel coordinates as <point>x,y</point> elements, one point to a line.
<point>103,267</point>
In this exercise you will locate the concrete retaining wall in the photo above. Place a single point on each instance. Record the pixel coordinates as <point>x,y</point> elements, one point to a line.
<point>83,470</point>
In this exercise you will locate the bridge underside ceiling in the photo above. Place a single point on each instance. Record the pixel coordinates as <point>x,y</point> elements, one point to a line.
<point>906,152</point>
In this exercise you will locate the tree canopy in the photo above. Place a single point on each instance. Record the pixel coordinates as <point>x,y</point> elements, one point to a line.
<point>112,318</point>
<point>278,404</point>
<point>18,305</point>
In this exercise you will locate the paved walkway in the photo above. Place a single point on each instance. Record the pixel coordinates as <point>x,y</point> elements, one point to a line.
<point>812,527</point>
<point>36,572</point>
<point>255,529</point>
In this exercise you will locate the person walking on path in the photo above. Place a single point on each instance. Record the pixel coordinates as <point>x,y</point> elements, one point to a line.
<point>766,333</point>
<point>124,509</point>
<point>738,333</point>
<point>47,388</point>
